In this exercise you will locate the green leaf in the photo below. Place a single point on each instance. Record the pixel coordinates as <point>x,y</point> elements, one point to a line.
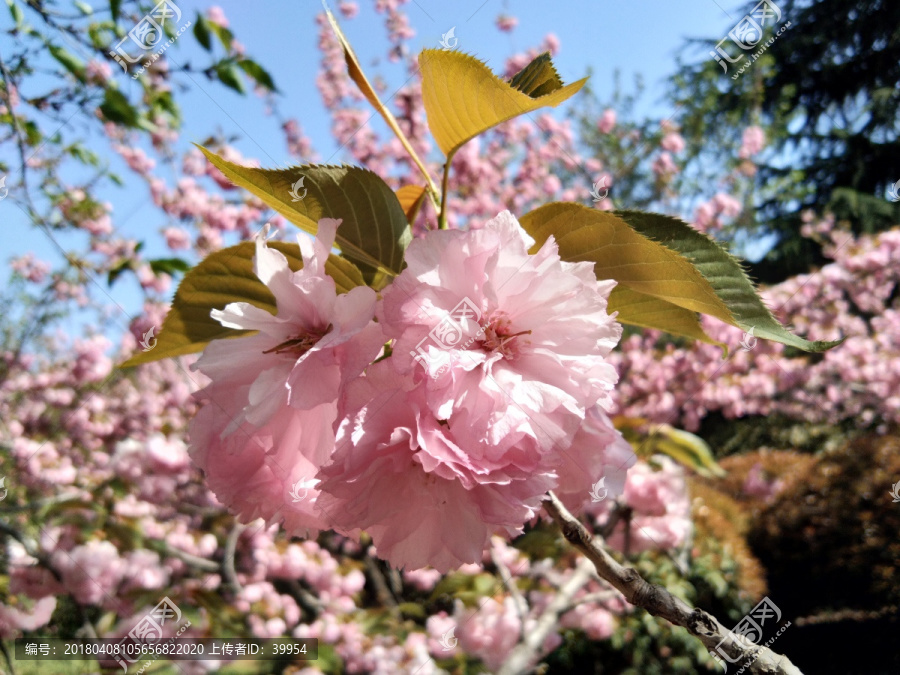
<point>116,271</point>
<point>83,7</point>
<point>259,74</point>
<point>33,133</point>
<point>230,76</point>
<point>116,108</point>
<point>685,448</point>
<point>223,277</point>
<point>170,266</point>
<point>202,32</point>
<point>664,258</point>
<point>537,78</point>
<point>463,98</point>
<point>374,232</point>
<point>162,102</point>
<point>68,61</point>
<point>412,610</point>
<point>114,6</point>
<point>83,155</point>
<point>226,37</point>
<point>15,11</point>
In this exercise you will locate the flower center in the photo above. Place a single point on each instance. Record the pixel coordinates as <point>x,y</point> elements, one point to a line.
<point>499,338</point>
<point>299,344</point>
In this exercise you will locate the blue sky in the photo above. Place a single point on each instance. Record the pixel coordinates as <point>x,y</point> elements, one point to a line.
<point>636,38</point>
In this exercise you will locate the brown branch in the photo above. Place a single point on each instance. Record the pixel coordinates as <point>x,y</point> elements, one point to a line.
<point>379,583</point>
<point>659,602</point>
<point>308,602</point>
<point>840,615</point>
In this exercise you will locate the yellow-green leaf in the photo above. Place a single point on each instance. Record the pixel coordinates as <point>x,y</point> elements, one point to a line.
<point>725,275</point>
<point>463,98</point>
<point>637,309</point>
<point>410,197</point>
<point>374,233</point>
<point>684,447</point>
<point>223,277</point>
<point>664,258</point>
<point>355,71</point>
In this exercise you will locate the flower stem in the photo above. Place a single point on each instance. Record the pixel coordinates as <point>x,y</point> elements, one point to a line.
<point>442,218</point>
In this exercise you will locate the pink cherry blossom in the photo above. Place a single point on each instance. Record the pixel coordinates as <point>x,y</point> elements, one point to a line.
<point>348,9</point>
<point>13,619</point>
<point>489,631</point>
<point>216,15</point>
<point>447,444</point>
<point>673,142</point>
<point>607,121</point>
<point>757,485</point>
<point>401,476</point>
<point>267,425</point>
<point>423,579</point>
<point>661,510</point>
<point>30,268</point>
<point>727,205</point>
<point>521,339</point>
<point>753,140</point>
<point>664,165</point>
<point>91,572</point>
<point>177,238</point>
<point>506,23</point>
<point>704,216</point>
<point>597,452</point>
<point>596,622</point>
<point>98,71</point>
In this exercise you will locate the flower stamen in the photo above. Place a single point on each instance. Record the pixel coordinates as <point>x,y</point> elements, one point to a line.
<point>299,344</point>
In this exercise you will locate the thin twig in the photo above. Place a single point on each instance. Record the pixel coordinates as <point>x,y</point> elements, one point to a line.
<point>41,503</point>
<point>841,615</point>
<point>615,515</point>
<point>522,658</point>
<point>195,561</point>
<point>507,578</point>
<point>307,601</point>
<point>12,671</point>
<point>659,602</point>
<point>228,571</point>
<point>20,140</point>
<point>600,598</point>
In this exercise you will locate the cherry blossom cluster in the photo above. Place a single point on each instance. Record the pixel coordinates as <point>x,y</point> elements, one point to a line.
<point>495,391</point>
